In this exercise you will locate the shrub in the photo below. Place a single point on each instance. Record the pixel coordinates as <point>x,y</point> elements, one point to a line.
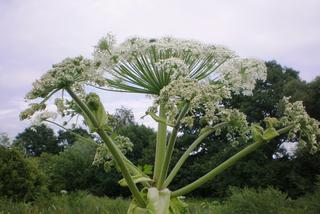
<point>19,178</point>
<point>253,201</point>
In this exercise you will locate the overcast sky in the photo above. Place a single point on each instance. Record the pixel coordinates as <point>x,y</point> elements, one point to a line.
<point>38,33</point>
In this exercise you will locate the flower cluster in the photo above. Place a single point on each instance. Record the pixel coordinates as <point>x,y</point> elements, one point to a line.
<point>106,51</point>
<point>305,128</point>
<point>34,107</point>
<point>175,67</point>
<point>241,74</point>
<point>199,95</point>
<point>103,155</point>
<point>148,65</point>
<point>42,116</point>
<point>71,72</point>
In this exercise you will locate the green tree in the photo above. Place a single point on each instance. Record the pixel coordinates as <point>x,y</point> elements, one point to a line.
<point>4,140</point>
<point>313,103</point>
<point>142,138</point>
<point>66,138</point>
<point>36,140</point>
<point>124,117</point>
<point>19,177</point>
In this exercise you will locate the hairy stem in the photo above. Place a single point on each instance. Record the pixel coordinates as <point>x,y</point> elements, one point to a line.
<point>186,154</point>
<point>225,165</point>
<point>161,143</point>
<point>116,153</point>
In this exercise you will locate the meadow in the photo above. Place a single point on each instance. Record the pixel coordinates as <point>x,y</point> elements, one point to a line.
<point>240,201</point>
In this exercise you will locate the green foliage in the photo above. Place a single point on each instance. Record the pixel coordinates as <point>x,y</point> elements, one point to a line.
<point>251,201</point>
<point>4,140</point>
<point>37,139</point>
<point>65,138</point>
<point>19,177</point>
<point>124,117</point>
<point>142,137</point>
<point>267,201</point>
<point>72,169</point>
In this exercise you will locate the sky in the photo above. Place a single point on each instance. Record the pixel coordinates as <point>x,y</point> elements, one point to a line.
<point>38,33</point>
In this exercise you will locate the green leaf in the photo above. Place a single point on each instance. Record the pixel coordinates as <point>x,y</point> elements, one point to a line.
<point>269,134</point>
<point>136,179</point>
<point>177,206</point>
<point>135,209</point>
<point>96,107</point>
<point>271,122</point>
<point>257,133</point>
<point>146,169</point>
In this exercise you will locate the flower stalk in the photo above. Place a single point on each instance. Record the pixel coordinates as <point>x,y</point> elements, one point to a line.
<point>117,155</point>
<point>186,154</point>
<point>225,165</point>
<point>161,143</point>
<point>170,146</point>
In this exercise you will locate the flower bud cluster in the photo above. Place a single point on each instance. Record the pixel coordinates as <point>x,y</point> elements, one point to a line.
<point>104,157</point>
<point>174,66</point>
<point>240,75</point>
<point>42,116</point>
<point>305,128</point>
<point>29,112</point>
<point>199,95</point>
<point>71,72</point>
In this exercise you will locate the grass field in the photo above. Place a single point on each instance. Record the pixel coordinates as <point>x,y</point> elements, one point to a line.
<point>83,203</point>
<point>246,201</point>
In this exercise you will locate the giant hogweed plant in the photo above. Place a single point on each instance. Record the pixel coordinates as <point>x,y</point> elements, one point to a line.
<point>187,80</point>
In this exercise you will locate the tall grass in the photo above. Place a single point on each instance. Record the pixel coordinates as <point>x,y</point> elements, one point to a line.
<point>245,201</point>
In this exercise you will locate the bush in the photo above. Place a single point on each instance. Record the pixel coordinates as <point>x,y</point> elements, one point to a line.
<point>310,203</point>
<point>19,178</point>
<point>72,170</point>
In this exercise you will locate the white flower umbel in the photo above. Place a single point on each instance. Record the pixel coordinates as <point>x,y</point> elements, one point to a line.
<point>104,157</point>
<point>42,116</point>
<point>241,74</point>
<point>199,95</point>
<point>71,72</point>
<point>147,65</point>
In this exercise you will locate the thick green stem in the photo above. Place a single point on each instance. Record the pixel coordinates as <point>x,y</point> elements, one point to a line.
<point>116,153</point>
<point>170,146</point>
<point>161,143</point>
<point>225,165</point>
<point>186,154</point>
